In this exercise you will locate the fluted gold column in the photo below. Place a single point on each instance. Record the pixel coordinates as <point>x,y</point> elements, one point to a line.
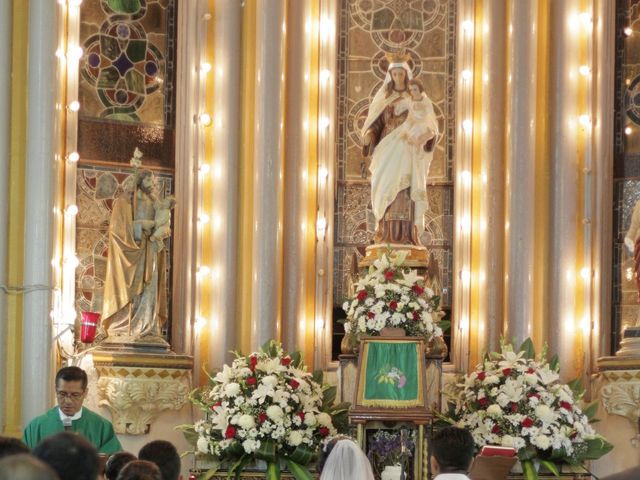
<point>565,188</point>
<point>300,181</point>
<point>245,231</point>
<point>492,81</point>
<point>15,230</point>
<point>226,35</point>
<point>603,74</point>
<point>5,149</point>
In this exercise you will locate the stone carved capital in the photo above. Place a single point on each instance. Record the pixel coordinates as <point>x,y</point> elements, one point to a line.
<point>622,398</point>
<point>135,395</point>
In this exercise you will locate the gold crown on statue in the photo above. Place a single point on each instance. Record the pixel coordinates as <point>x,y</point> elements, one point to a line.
<point>397,58</point>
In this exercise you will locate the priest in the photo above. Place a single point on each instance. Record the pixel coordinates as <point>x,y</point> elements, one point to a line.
<point>70,415</point>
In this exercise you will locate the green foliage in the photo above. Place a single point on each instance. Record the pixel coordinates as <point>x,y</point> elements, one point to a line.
<point>528,348</point>
<point>597,447</point>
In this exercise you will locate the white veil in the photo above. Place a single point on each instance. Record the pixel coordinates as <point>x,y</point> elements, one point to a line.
<point>347,462</point>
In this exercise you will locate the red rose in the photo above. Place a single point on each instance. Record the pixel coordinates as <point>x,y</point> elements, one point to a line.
<point>251,380</point>
<point>393,305</point>
<point>230,432</point>
<point>495,429</point>
<point>416,316</point>
<point>531,394</point>
<point>484,401</point>
<point>514,407</point>
<point>301,415</point>
<point>418,290</point>
<point>217,404</point>
<point>389,274</point>
<point>527,423</point>
<point>531,370</point>
<point>262,417</point>
<point>323,431</point>
<point>506,372</point>
<point>293,383</point>
<point>253,361</point>
<point>285,361</point>
<point>566,405</point>
<point>362,294</point>
<point>482,375</point>
<point>371,314</point>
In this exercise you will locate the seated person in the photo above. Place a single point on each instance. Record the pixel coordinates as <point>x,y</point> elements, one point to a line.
<point>117,462</point>
<point>165,456</point>
<point>140,470</point>
<point>23,466</point>
<point>342,459</point>
<point>71,390</point>
<point>451,453</point>
<point>70,455</point>
<point>12,446</point>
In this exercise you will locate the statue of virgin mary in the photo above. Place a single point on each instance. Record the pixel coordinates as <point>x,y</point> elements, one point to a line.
<point>399,134</point>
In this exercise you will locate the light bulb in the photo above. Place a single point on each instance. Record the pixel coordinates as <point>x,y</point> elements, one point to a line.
<point>205,67</point>
<point>627,131</point>
<point>203,218</point>
<point>73,157</point>
<point>71,210</point>
<point>628,31</point>
<point>584,70</point>
<point>74,106</point>
<point>205,168</point>
<point>466,125</point>
<point>466,74</point>
<point>585,120</point>
<point>204,119</point>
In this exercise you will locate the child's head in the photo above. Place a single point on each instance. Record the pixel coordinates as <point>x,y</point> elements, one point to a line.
<point>167,202</point>
<point>416,88</point>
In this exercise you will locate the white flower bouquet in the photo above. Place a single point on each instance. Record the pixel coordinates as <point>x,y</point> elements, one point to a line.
<point>514,400</point>
<point>392,296</point>
<point>265,406</point>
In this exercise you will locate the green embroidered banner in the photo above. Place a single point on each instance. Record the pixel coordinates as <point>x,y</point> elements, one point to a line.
<point>393,374</point>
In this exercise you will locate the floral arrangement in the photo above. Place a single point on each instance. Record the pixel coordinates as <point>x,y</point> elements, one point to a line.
<point>514,400</point>
<point>265,406</point>
<point>392,296</point>
<point>390,448</point>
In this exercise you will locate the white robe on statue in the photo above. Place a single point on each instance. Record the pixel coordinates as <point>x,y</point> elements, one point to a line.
<point>399,160</point>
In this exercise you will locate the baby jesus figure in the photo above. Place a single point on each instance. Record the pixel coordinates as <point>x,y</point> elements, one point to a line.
<point>162,221</point>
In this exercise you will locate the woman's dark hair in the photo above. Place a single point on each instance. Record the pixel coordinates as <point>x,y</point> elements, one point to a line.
<point>116,462</point>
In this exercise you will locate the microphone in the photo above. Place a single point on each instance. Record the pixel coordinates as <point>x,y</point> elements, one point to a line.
<point>66,422</point>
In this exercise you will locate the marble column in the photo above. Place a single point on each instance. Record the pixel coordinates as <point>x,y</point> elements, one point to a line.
<point>5,113</point>
<point>520,168</point>
<point>602,173</point>
<point>227,30</point>
<point>297,178</point>
<point>493,159</point>
<point>40,190</point>
<point>564,210</point>
<point>268,172</point>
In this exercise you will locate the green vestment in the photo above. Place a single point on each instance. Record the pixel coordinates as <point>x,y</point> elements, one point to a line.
<point>92,426</point>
